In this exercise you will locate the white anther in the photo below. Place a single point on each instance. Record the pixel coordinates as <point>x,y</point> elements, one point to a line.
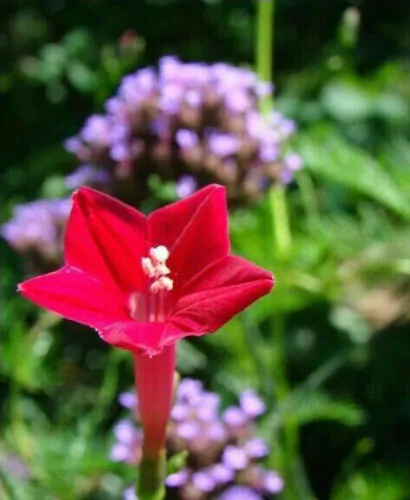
<point>162,270</point>
<point>159,254</point>
<point>162,283</point>
<point>148,267</point>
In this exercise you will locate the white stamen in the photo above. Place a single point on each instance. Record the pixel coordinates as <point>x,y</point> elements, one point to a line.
<point>148,267</point>
<point>162,283</point>
<point>159,254</point>
<point>155,267</point>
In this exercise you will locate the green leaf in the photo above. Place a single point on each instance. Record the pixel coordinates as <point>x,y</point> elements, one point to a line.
<point>330,156</point>
<point>307,406</point>
<point>177,462</point>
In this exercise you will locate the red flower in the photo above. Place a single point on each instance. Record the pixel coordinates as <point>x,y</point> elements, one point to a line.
<point>145,282</point>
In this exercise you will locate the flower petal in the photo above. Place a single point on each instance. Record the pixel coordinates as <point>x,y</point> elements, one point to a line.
<point>136,337</point>
<point>106,238</point>
<point>76,296</point>
<point>212,298</point>
<point>194,229</point>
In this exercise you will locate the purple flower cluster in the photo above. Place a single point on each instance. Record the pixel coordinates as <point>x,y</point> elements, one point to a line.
<point>36,229</point>
<point>223,451</point>
<point>193,123</point>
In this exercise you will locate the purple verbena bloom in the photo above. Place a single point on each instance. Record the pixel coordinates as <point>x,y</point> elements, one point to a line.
<point>120,453</point>
<point>188,430</point>
<point>293,162</point>
<point>180,412</point>
<point>189,390</point>
<point>240,492</point>
<point>38,227</point>
<point>86,175</point>
<point>256,448</point>
<point>222,144</point>
<point>126,433</point>
<point>235,457</point>
<point>251,404</point>
<point>234,416</point>
<point>221,473</point>
<point>97,130</point>
<point>186,139</point>
<point>128,400</point>
<point>272,482</point>
<point>186,185</point>
<point>129,494</point>
<point>177,479</point>
<point>203,480</point>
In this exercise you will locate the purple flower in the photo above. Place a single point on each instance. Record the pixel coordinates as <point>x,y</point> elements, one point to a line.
<point>189,390</point>
<point>216,431</point>
<point>186,185</point>
<point>180,412</point>
<point>240,493</point>
<point>222,144</point>
<point>97,130</point>
<point>86,175</point>
<point>120,453</point>
<point>256,448</point>
<point>235,457</point>
<point>188,430</point>
<point>38,227</point>
<point>293,162</point>
<point>128,400</point>
<point>272,482</point>
<point>221,473</point>
<point>234,416</point>
<point>126,433</point>
<point>251,404</point>
<point>186,139</point>
<point>203,480</point>
<point>129,494</point>
<point>177,479</point>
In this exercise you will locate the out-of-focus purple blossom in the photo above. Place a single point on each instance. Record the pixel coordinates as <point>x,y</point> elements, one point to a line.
<point>36,229</point>
<point>293,162</point>
<point>221,473</point>
<point>235,457</point>
<point>184,120</point>
<point>240,492</point>
<point>256,448</point>
<point>272,482</point>
<point>188,430</point>
<point>234,416</point>
<point>186,185</point>
<point>223,451</point>
<point>125,432</point>
<point>129,494</point>
<point>203,480</point>
<point>251,404</point>
<point>13,465</point>
<point>88,175</point>
<point>189,390</point>
<point>186,138</point>
<point>177,479</point>
<point>223,144</point>
<point>128,400</point>
<point>97,130</point>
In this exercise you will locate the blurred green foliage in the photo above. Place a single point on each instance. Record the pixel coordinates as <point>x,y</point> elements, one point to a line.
<point>332,340</point>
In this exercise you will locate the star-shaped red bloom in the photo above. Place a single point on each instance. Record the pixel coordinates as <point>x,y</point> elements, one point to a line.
<point>145,282</point>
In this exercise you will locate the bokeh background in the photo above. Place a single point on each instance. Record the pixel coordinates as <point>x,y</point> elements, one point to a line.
<point>329,351</point>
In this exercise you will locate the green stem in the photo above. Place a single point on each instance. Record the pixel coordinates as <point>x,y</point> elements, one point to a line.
<point>264,46</point>
<point>280,220</point>
<point>151,478</point>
